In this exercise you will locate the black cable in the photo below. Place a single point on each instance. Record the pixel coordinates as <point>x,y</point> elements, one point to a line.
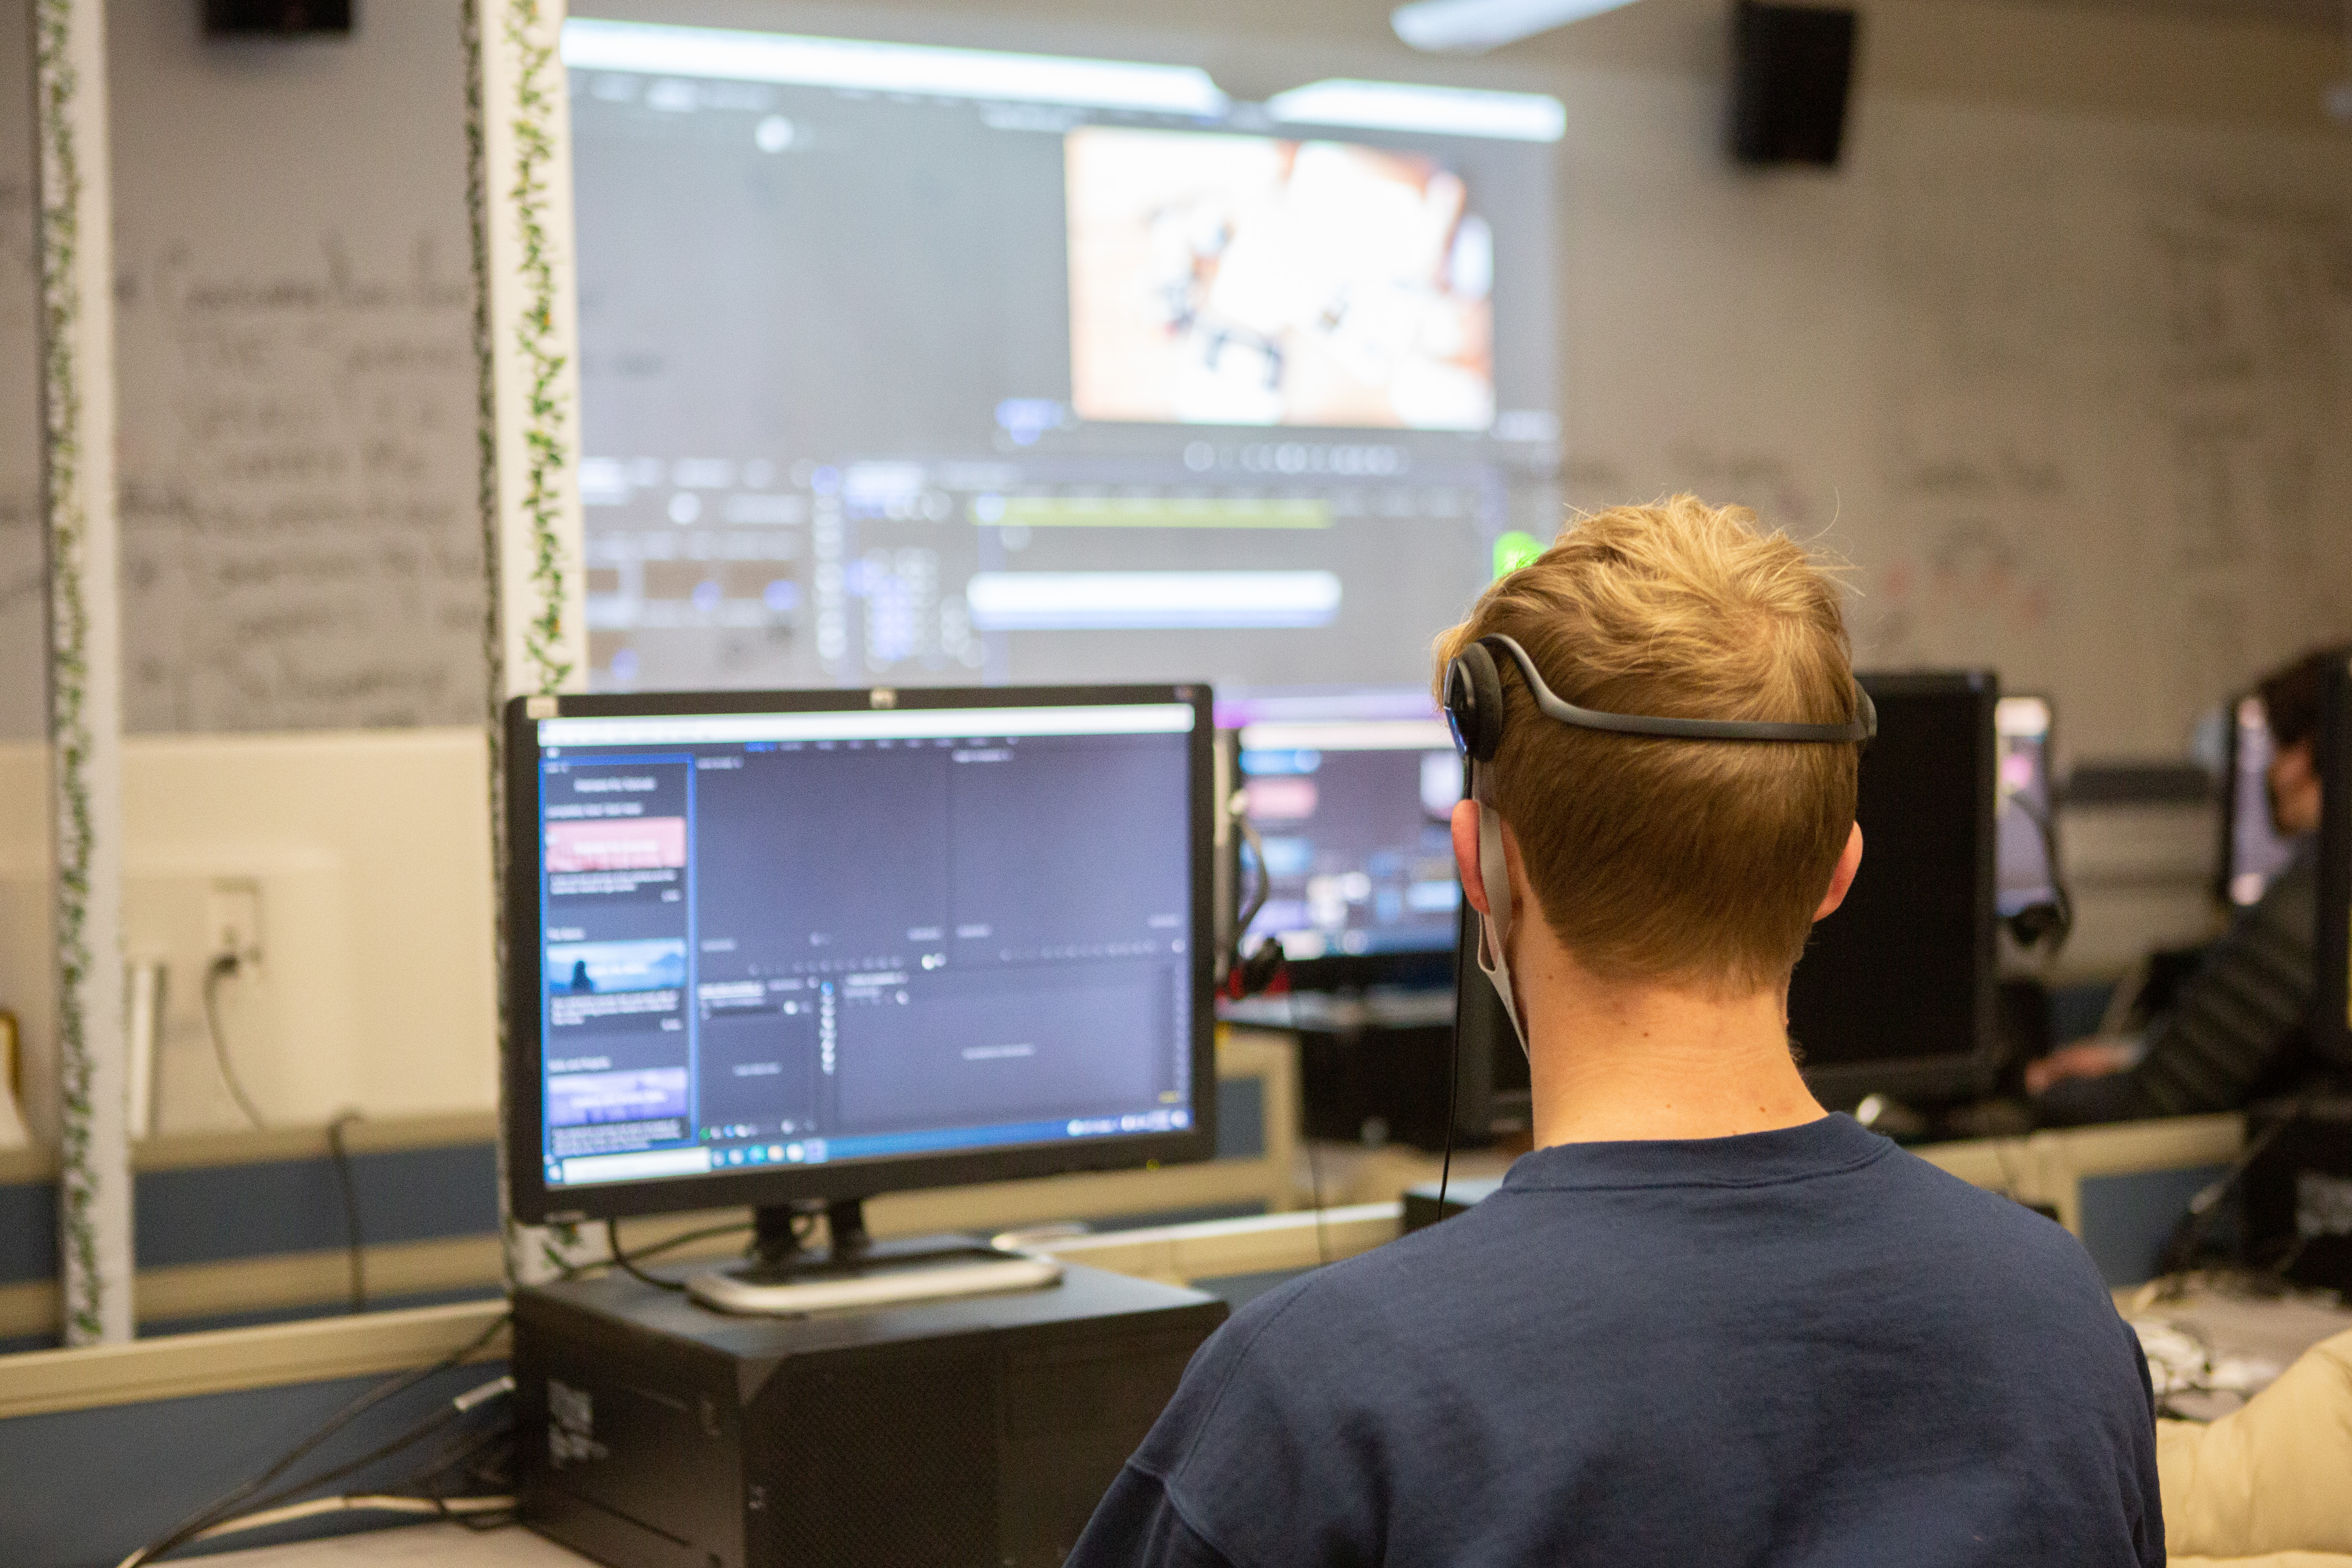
<point>214,1512</point>
<point>221,968</point>
<point>348,1181</point>
<point>1461,933</point>
<point>628,1266</point>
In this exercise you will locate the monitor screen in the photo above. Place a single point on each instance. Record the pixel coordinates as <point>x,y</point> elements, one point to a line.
<point>2253,853</point>
<point>949,365</point>
<point>1895,991</point>
<point>780,945</point>
<point>2025,833</point>
<point>1351,795</point>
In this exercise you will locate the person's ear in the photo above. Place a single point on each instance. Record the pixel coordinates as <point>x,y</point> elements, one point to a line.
<point>1843,877</point>
<point>1465,854</point>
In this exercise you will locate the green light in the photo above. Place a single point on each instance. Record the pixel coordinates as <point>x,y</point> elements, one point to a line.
<point>1514,550</point>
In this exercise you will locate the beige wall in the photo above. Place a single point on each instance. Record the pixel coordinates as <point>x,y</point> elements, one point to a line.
<point>371,853</point>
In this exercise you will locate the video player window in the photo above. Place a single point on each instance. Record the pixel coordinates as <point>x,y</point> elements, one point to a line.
<point>802,938</point>
<point>1351,799</point>
<point>949,366</point>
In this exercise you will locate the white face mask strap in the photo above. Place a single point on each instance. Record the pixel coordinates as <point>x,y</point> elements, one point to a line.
<point>1495,926</point>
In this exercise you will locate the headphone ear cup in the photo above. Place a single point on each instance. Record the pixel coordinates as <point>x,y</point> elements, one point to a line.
<point>1473,701</point>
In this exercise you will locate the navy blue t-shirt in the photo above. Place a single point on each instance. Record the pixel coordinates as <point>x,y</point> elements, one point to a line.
<point>1802,1346</point>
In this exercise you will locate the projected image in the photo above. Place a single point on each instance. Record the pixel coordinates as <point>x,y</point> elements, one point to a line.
<point>1249,281</point>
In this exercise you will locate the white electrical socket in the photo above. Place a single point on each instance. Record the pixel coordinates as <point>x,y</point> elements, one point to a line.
<point>233,920</point>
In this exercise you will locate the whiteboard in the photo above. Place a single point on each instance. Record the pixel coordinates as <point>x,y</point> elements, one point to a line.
<point>2071,393</point>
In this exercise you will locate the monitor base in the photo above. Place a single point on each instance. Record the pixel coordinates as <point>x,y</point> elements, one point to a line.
<point>784,1280</point>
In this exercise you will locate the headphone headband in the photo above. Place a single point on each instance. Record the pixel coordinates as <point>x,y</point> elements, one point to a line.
<point>1474,708</point>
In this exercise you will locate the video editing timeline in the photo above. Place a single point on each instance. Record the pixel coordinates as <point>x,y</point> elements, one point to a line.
<point>2257,854</point>
<point>802,938</point>
<point>2022,728</point>
<point>1351,795</point>
<point>913,363</point>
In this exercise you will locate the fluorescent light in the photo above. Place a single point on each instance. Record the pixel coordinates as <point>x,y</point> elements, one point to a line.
<point>731,55</point>
<point>898,724</point>
<point>1473,27</point>
<point>1131,601</point>
<point>1405,106</point>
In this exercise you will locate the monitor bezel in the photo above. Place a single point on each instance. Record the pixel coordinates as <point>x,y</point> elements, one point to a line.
<point>533,1201</point>
<point>1952,1075</point>
<point>2333,1023</point>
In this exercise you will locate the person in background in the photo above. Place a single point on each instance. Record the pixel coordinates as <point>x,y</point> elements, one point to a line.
<point>1704,1321</point>
<point>2240,1028</point>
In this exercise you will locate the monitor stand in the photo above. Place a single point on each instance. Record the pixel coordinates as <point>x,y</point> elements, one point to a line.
<point>783,1279</point>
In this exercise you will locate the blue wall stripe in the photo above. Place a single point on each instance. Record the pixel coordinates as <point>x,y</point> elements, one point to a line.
<point>28,1232</point>
<point>1241,1118</point>
<point>216,1214</point>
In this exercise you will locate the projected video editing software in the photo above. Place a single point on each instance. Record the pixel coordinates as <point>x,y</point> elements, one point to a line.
<point>944,365</point>
<point>810,937</point>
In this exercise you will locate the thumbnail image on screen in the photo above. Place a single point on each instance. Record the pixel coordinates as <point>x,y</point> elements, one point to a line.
<point>2256,852</point>
<point>1352,814</point>
<point>1226,279</point>
<point>806,938</point>
<point>949,366</point>
<point>2023,828</point>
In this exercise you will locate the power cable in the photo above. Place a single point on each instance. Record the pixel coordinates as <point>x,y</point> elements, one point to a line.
<point>220,968</point>
<point>346,1179</point>
<point>220,1509</point>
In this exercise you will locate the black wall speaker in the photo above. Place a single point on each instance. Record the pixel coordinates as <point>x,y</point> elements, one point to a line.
<point>1790,67</point>
<point>275,18</point>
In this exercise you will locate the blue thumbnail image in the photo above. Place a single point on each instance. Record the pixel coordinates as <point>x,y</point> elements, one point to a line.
<point>594,968</point>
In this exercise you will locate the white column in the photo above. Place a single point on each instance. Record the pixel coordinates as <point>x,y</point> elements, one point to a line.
<point>527,335</point>
<point>77,252</point>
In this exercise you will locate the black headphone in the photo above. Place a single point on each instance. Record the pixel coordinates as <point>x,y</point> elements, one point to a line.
<point>1474,710</point>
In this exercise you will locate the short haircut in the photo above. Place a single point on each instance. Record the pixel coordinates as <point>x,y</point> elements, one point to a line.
<point>2292,694</point>
<point>1697,864</point>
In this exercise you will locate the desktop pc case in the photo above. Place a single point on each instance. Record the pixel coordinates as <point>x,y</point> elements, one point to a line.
<point>970,1432</point>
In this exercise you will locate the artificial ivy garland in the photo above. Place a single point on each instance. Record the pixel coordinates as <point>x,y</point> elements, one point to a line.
<point>57,83</point>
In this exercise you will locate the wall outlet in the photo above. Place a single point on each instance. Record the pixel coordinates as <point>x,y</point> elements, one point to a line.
<point>233,920</point>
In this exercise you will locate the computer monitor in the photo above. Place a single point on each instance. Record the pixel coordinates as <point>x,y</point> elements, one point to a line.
<point>938,365</point>
<point>2251,853</point>
<point>2025,826</point>
<point>1350,793</point>
<point>2334,1031</point>
<point>767,948</point>
<point>1895,993</point>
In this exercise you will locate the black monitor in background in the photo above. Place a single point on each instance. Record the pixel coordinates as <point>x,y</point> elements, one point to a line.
<point>2026,826</point>
<point>1350,793</point>
<point>776,948</point>
<point>2251,851</point>
<point>2334,1033</point>
<point>1895,993</point>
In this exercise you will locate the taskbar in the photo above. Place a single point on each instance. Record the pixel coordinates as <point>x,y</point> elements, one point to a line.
<point>709,1159</point>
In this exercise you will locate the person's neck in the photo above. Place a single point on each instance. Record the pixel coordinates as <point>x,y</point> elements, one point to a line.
<point>1614,1061</point>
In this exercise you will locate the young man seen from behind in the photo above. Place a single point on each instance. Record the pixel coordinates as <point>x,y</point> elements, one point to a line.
<point>1703,1322</point>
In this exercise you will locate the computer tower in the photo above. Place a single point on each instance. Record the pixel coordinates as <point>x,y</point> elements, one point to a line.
<point>968,1433</point>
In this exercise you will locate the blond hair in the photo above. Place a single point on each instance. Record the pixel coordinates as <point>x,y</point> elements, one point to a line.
<point>1695,864</point>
